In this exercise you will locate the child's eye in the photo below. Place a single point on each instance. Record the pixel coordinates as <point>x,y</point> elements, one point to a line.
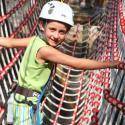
<point>52,29</point>
<point>62,32</point>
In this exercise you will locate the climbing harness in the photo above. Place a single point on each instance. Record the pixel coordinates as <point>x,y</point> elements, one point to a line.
<point>35,109</point>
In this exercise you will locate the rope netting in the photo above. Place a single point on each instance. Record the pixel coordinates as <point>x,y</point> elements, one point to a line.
<point>81,101</point>
<point>19,19</point>
<point>77,97</point>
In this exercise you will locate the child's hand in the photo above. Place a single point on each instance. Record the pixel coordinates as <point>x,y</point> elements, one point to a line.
<point>118,65</point>
<point>121,66</point>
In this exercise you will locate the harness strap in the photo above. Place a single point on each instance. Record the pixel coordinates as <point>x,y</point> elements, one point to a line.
<point>22,90</point>
<point>26,92</point>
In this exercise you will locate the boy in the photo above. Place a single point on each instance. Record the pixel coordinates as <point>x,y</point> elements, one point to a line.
<point>56,19</point>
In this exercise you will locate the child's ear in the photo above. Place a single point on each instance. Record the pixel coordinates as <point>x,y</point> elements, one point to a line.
<point>41,26</point>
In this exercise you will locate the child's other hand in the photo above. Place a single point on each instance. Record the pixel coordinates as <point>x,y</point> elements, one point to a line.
<point>118,64</point>
<point>121,65</point>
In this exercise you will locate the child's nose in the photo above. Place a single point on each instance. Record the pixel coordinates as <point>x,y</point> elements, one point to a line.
<point>56,35</point>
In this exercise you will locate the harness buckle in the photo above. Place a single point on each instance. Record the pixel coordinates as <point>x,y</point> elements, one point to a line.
<point>35,94</point>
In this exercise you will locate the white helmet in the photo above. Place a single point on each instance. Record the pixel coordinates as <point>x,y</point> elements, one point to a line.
<point>59,11</point>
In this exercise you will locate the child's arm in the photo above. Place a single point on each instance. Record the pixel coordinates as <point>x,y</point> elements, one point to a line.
<point>14,42</point>
<point>51,54</point>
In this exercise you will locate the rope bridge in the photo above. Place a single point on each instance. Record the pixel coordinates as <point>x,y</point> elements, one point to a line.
<point>77,97</point>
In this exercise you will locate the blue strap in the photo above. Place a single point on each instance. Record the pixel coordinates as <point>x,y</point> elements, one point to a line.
<point>32,112</point>
<point>38,118</point>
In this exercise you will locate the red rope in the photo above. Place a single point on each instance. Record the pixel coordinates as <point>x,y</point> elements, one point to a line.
<point>12,11</point>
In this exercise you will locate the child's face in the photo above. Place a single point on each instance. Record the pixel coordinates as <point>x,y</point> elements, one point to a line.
<point>55,32</point>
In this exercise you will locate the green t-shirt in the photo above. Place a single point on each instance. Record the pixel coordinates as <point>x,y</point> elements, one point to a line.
<point>32,74</point>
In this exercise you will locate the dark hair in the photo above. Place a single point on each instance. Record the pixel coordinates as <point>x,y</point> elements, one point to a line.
<point>43,21</point>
